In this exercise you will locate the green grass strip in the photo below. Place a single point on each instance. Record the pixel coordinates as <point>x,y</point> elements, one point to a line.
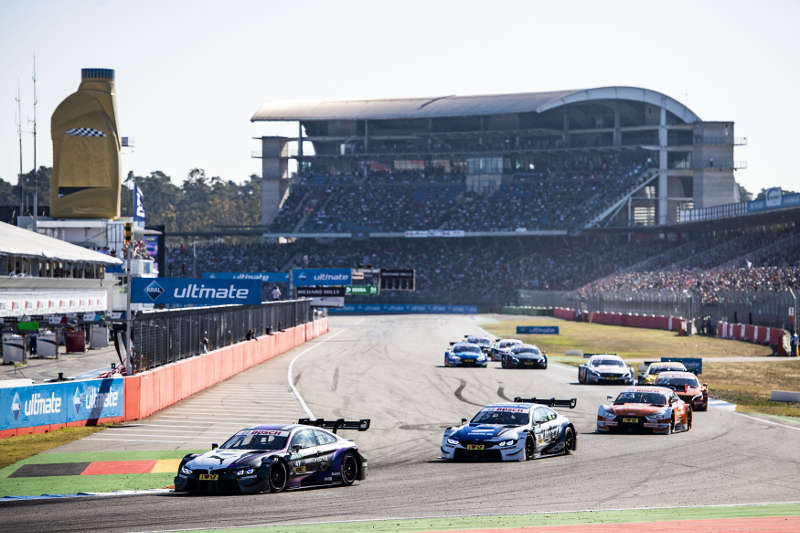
<point>534,520</point>
<point>35,486</point>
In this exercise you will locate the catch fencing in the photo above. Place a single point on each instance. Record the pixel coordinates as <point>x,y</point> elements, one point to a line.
<point>163,337</point>
<point>763,308</point>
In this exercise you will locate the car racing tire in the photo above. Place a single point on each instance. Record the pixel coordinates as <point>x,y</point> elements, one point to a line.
<point>530,447</point>
<point>570,441</point>
<point>278,476</point>
<point>581,379</point>
<point>349,469</point>
<point>671,425</point>
<point>689,419</point>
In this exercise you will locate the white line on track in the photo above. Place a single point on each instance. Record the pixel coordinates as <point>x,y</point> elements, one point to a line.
<point>770,422</point>
<point>290,378</point>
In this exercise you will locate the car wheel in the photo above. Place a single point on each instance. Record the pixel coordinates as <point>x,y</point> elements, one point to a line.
<point>689,419</point>
<point>581,379</point>
<point>530,448</point>
<point>503,362</point>
<point>570,441</point>
<point>277,476</point>
<point>349,469</point>
<point>671,424</point>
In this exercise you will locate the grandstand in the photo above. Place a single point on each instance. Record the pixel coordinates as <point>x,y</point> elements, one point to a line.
<point>527,162</point>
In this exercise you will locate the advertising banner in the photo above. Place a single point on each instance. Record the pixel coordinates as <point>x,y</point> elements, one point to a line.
<point>59,403</point>
<point>191,291</point>
<point>407,308</point>
<point>321,291</point>
<point>537,330</point>
<point>328,301</point>
<point>304,277</point>
<point>774,199</point>
<point>263,277</point>
<point>138,206</point>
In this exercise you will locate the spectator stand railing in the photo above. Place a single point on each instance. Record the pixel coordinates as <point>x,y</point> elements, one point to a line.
<point>163,337</point>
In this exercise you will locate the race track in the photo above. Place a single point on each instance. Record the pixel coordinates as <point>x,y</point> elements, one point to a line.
<point>389,369</point>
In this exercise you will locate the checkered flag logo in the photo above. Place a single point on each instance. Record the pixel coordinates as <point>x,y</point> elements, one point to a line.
<point>84,132</point>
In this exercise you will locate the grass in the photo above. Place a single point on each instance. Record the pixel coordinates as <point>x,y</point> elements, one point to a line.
<point>13,449</point>
<point>747,384</point>
<point>629,343</point>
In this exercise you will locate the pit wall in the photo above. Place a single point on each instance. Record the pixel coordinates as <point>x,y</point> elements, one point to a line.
<point>141,395</point>
<point>161,387</point>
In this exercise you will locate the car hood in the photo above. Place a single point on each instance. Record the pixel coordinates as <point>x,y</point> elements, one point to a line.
<point>608,369</point>
<point>218,459</point>
<point>634,409</point>
<point>524,356</point>
<point>484,432</point>
<point>467,355</point>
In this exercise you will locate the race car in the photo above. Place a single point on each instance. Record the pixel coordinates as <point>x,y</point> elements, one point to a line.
<point>526,428</point>
<point>484,342</point>
<point>501,346</point>
<point>524,356</point>
<point>654,368</point>
<point>687,386</point>
<point>655,409</point>
<point>276,457</point>
<point>465,354</point>
<point>605,368</point>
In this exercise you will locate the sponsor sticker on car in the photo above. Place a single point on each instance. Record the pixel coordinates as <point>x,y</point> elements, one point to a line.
<point>507,409</point>
<point>275,432</point>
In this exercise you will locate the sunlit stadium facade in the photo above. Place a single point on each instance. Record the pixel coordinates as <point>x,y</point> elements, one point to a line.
<point>491,138</point>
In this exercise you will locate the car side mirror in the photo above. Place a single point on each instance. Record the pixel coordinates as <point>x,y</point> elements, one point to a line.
<point>214,445</point>
<point>296,448</point>
<point>609,397</point>
<point>463,421</point>
<point>705,385</point>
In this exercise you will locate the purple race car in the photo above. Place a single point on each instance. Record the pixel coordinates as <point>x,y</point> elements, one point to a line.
<point>276,457</point>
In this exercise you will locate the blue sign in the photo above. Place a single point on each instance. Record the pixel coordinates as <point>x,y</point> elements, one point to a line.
<point>537,330</point>
<point>319,277</point>
<point>774,199</point>
<point>191,291</point>
<point>138,205</point>
<point>263,277</point>
<point>59,403</point>
<point>405,308</point>
<point>692,364</point>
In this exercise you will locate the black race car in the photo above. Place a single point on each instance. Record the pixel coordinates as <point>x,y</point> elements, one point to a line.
<point>524,356</point>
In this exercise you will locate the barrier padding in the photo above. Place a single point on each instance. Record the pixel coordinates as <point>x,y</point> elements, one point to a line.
<point>756,334</point>
<point>161,387</point>
<point>53,427</point>
<point>635,320</point>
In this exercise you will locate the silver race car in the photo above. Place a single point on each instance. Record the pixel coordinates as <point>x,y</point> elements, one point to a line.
<point>605,368</point>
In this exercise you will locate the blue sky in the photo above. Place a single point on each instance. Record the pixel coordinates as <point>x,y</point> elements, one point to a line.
<point>190,74</point>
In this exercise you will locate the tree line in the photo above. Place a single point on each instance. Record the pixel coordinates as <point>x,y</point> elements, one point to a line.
<point>199,203</point>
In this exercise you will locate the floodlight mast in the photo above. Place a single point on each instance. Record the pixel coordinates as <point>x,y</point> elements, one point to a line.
<point>35,170</point>
<point>18,99</point>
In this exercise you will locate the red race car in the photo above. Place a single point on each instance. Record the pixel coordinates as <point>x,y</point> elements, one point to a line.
<point>655,409</point>
<point>688,388</point>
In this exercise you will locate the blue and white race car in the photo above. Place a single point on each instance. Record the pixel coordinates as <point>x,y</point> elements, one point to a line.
<point>465,354</point>
<point>524,429</point>
<point>276,457</point>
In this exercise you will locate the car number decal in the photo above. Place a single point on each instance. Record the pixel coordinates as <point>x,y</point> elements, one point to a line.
<point>475,446</point>
<point>208,477</point>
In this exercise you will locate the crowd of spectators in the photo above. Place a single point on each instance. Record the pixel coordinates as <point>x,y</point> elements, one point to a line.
<point>564,191</point>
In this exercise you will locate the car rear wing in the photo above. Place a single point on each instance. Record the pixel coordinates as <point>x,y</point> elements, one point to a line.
<point>550,402</point>
<point>336,425</point>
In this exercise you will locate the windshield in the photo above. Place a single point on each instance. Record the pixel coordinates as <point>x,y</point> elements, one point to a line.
<point>479,340</point>
<point>526,349</point>
<point>257,439</point>
<point>515,416</point>
<point>659,369</point>
<point>607,362</point>
<point>652,398</point>
<point>678,382</point>
<point>506,344</point>
<point>466,348</point>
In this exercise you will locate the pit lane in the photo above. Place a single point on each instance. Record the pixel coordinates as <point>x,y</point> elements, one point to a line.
<point>389,369</point>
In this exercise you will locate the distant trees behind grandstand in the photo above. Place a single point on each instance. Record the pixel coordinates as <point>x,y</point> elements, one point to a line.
<point>199,203</point>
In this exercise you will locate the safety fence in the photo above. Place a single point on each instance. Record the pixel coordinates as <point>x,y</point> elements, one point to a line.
<point>763,308</point>
<point>163,337</point>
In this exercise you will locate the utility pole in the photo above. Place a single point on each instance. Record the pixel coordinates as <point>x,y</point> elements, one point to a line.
<point>35,169</point>
<point>19,134</point>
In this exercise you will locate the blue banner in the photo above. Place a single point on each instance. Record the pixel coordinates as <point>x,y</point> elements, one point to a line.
<point>405,308</point>
<point>319,277</point>
<point>774,199</point>
<point>191,291</point>
<point>138,206</point>
<point>537,330</point>
<point>692,364</point>
<point>59,403</point>
<point>263,277</point>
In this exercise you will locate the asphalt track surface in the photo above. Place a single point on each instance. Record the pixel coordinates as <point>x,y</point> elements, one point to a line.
<point>389,369</point>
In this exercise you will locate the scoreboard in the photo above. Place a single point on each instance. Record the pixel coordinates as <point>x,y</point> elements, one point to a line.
<point>398,279</point>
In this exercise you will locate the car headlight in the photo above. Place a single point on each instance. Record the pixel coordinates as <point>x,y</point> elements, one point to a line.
<point>506,443</point>
<point>186,471</point>
<point>516,360</point>
<point>697,396</point>
<point>452,442</point>
<point>605,412</point>
<point>594,372</point>
<point>245,471</point>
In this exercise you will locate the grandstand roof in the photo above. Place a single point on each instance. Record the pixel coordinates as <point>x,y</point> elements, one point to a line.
<point>461,106</point>
<point>19,241</point>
